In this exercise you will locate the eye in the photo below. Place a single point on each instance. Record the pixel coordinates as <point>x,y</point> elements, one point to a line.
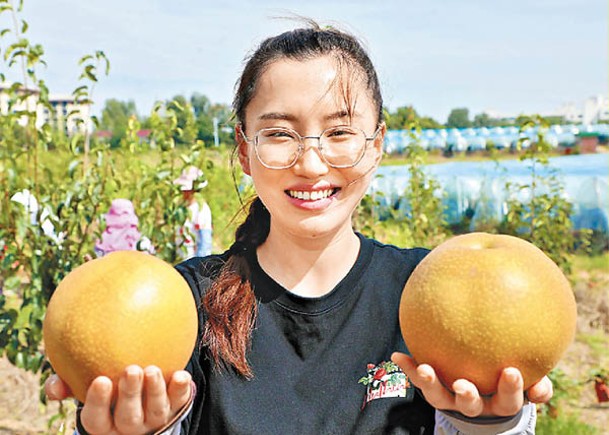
<point>277,134</point>
<point>341,132</point>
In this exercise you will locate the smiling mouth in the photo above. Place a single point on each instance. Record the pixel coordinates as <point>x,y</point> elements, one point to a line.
<point>307,195</point>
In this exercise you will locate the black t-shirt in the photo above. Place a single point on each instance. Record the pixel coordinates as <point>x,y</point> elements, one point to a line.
<point>321,365</point>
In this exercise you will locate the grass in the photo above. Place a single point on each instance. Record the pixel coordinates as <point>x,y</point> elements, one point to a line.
<point>589,263</point>
<point>436,156</point>
<point>597,342</point>
<point>568,424</point>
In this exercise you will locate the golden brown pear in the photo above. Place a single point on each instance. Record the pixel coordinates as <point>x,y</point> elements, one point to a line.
<point>125,308</point>
<point>479,303</point>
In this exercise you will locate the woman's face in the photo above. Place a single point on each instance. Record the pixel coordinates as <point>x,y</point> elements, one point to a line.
<point>310,199</point>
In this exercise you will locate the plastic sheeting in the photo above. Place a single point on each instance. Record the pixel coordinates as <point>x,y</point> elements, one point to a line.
<point>478,189</point>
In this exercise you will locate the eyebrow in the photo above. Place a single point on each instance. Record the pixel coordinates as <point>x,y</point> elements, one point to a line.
<point>287,117</point>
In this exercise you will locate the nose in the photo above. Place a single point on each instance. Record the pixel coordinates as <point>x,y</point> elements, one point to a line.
<point>311,164</point>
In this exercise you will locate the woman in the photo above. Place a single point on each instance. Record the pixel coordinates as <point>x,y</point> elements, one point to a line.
<point>299,319</point>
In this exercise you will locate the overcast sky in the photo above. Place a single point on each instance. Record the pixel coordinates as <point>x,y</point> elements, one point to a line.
<point>510,56</point>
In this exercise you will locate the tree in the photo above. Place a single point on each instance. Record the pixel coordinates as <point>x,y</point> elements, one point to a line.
<point>402,118</point>
<point>115,117</point>
<point>458,118</point>
<point>200,104</point>
<point>407,115</point>
<point>186,132</point>
<point>483,120</point>
<point>428,122</point>
<point>205,112</point>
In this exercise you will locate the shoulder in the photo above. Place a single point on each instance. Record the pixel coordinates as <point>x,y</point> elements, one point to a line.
<point>395,254</point>
<point>392,263</point>
<point>200,272</point>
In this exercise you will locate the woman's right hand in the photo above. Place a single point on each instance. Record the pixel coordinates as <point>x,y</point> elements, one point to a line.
<point>144,403</point>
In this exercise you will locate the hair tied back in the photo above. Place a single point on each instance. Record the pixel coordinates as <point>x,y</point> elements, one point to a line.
<point>238,248</point>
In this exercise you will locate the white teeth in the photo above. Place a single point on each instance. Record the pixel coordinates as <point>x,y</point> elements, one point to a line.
<point>310,196</point>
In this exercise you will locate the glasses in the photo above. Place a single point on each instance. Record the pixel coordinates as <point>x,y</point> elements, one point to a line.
<point>339,147</point>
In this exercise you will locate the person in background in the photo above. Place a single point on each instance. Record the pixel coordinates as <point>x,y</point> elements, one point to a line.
<point>121,232</point>
<point>196,234</point>
<point>298,321</point>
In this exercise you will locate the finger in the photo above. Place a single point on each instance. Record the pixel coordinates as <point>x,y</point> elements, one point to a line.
<point>407,364</point>
<point>542,391</point>
<point>156,402</point>
<point>129,413</point>
<point>424,377</point>
<point>56,389</point>
<point>179,390</point>
<point>509,397</point>
<point>96,416</point>
<point>467,398</point>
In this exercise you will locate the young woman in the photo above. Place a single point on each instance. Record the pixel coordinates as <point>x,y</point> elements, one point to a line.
<point>299,319</point>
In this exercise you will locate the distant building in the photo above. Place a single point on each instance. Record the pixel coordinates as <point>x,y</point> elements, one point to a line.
<point>595,109</point>
<point>589,111</point>
<point>65,113</point>
<point>27,101</point>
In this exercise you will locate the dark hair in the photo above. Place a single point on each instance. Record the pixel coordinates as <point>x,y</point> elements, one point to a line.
<point>301,44</point>
<point>230,302</point>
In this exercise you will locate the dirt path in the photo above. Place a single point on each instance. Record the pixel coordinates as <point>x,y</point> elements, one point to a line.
<point>20,410</point>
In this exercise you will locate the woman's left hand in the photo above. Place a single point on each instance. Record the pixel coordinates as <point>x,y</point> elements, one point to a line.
<point>466,399</point>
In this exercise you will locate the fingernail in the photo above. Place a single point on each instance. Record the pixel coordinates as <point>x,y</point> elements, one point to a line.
<point>426,377</point>
<point>458,389</point>
<point>512,375</point>
<point>180,377</point>
<point>134,372</point>
<point>52,381</point>
<point>151,372</point>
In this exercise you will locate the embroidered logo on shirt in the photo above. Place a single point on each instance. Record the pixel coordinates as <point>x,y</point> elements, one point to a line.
<point>385,380</point>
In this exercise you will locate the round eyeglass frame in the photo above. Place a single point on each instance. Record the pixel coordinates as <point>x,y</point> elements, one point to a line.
<point>301,145</point>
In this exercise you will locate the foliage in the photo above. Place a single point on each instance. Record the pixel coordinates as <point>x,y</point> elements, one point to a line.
<point>563,387</point>
<point>212,120</point>
<point>458,118</point>
<point>482,120</point>
<point>416,217</point>
<point>115,117</point>
<point>185,120</point>
<point>543,217</point>
<point>563,424</point>
<point>405,116</point>
<point>424,207</point>
<point>73,181</point>
<point>599,374</point>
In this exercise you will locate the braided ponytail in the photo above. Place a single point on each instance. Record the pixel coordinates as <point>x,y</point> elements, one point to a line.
<point>230,302</point>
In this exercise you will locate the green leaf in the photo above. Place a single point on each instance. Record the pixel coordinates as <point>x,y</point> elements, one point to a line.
<point>74,164</point>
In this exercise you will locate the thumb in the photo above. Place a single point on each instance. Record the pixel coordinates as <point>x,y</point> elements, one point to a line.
<point>56,389</point>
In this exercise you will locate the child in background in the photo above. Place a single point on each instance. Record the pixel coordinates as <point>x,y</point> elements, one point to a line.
<point>121,233</point>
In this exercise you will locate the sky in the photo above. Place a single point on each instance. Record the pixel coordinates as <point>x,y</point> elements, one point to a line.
<point>516,56</point>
